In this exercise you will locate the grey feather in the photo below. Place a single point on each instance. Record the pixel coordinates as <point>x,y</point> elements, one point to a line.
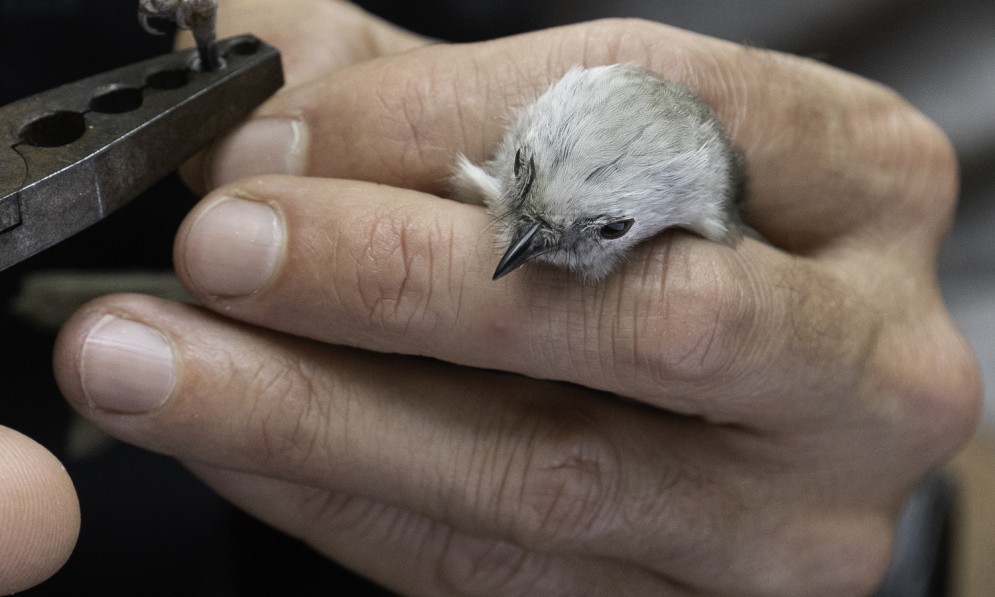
<point>606,150</point>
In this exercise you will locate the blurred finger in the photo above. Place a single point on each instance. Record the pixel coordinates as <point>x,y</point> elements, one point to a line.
<point>828,154</point>
<point>39,513</point>
<point>315,37</point>
<point>550,468</point>
<point>417,555</point>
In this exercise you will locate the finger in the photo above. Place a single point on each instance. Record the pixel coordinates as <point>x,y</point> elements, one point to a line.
<point>315,38</point>
<point>555,469</point>
<point>682,325</point>
<point>828,155</point>
<point>39,513</point>
<point>412,554</point>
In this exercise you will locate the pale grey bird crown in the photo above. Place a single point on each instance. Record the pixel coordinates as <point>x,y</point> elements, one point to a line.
<point>606,158</point>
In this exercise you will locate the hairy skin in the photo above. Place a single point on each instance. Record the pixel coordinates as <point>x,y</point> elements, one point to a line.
<point>735,421</point>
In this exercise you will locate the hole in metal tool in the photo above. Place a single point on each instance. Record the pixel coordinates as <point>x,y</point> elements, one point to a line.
<point>117,100</point>
<point>54,129</point>
<point>168,79</point>
<point>246,47</point>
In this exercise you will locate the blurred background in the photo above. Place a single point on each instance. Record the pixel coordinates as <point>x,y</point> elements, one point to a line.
<point>149,528</point>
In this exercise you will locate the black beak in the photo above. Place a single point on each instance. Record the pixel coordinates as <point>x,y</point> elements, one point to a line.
<point>522,249</point>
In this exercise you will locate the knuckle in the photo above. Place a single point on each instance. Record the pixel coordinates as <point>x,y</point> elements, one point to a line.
<point>404,260</point>
<point>693,335</point>
<point>563,488</point>
<point>732,321</point>
<point>928,378</point>
<point>480,567</point>
<point>415,133</point>
<point>285,427</point>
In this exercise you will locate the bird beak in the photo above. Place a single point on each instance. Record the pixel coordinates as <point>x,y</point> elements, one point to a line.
<point>523,248</point>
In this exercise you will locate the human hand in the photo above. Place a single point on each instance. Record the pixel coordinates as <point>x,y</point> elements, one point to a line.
<point>739,421</point>
<point>39,513</point>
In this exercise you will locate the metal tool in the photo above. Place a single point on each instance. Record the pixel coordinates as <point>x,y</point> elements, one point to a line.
<point>72,155</point>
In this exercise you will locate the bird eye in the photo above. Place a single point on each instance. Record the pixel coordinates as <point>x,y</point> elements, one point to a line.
<point>614,230</point>
<point>519,162</point>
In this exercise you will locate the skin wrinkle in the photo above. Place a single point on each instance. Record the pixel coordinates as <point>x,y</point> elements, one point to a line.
<point>390,250</point>
<point>686,524</point>
<point>507,490</point>
<point>670,354</point>
<point>344,513</point>
<point>455,288</point>
<point>580,338</point>
<point>479,459</point>
<point>497,568</point>
<point>443,565</point>
<point>511,460</point>
<point>470,461</point>
<point>697,352</point>
<point>718,378</point>
<point>439,247</point>
<point>657,271</point>
<point>599,334</point>
<point>299,442</point>
<point>656,371</point>
<point>616,353</point>
<point>398,301</point>
<point>395,106</point>
<point>372,297</point>
<point>412,107</point>
<point>570,477</point>
<point>537,575</point>
<point>694,540</point>
<point>315,252</point>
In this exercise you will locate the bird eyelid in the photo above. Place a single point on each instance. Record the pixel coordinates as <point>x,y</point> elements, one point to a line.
<point>616,229</point>
<point>530,173</point>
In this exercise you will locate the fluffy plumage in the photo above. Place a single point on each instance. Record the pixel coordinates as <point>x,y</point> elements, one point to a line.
<point>604,159</point>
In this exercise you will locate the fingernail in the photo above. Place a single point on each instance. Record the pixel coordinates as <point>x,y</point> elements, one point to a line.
<point>233,247</point>
<point>126,366</point>
<point>261,146</point>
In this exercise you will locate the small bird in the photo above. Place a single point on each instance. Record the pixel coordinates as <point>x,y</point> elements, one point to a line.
<point>607,157</point>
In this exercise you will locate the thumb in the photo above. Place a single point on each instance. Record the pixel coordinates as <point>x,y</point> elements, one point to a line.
<point>315,37</point>
<point>39,513</point>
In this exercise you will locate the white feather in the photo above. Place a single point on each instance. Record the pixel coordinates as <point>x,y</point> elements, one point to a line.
<point>609,144</point>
